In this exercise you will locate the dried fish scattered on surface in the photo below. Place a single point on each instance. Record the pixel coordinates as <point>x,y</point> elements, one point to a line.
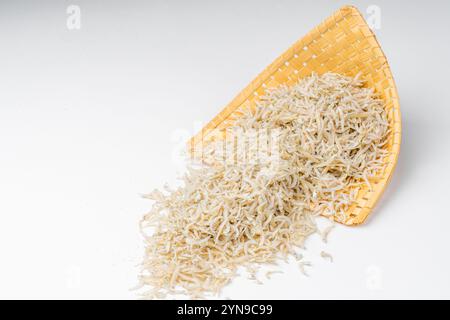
<point>326,255</point>
<point>326,139</point>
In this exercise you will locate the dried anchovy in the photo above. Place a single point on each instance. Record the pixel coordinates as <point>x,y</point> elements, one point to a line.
<point>329,135</point>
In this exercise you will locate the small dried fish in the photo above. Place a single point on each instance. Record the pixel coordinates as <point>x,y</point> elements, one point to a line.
<point>270,273</point>
<point>326,232</point>
<point>326,255</point>
<point>324,137</point>
<point>253,277</point>
<point>302,266</point>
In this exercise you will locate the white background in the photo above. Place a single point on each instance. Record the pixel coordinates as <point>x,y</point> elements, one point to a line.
<point>90,119</point>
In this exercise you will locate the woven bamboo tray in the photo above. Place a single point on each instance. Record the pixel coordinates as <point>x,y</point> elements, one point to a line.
<point>344,44</point>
